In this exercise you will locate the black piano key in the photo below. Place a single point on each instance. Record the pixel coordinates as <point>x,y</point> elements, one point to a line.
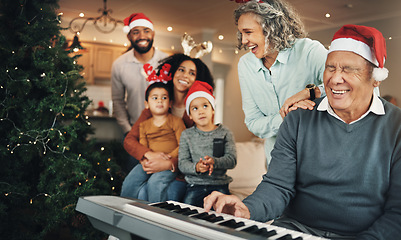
<point>265,233</point>
<point>187,211</point>
<point>232,224</point>
<point>286,237</point>
<point>172,207</point>
<point>201,215</point>
<point>213,218</point>
<point>251,229</point>
<point>167,206</point>
<point>181,210</point>
<point>160,204</point>
<point>298,238</point>
<point>192,212</point>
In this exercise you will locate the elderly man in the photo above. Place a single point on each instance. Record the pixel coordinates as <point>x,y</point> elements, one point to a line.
<point>335,170</point>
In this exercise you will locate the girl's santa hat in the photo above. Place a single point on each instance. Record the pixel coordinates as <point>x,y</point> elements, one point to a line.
<point>199,89</point>
<point>137,20</point>
<point>367,42</point>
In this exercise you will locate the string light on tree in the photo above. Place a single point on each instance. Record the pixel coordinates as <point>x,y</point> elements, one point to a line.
<point>44,128</point>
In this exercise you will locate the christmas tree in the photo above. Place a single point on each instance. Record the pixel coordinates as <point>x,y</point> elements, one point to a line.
<point>47,161</point>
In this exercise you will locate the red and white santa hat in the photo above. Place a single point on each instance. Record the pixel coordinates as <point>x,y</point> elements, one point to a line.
<point>135,20</point>
<point>199,89</point>
<point>367,42</point>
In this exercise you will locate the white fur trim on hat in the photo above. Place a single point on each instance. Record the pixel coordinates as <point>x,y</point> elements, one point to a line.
<point>126,29</point>
<point>199,94</point>
<point>136,23</point>
<point>352,45</point>
<point>379,74</point>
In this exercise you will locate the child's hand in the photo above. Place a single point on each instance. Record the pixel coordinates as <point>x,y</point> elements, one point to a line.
<point>201,166</point>
<point>210,162</point>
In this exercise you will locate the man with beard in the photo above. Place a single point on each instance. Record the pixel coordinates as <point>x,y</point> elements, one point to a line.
<point>128,83</point>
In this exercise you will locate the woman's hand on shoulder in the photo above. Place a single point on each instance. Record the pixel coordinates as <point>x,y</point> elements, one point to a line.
<point>299,96</point>
<point>299,100</point>
<point>304,104</point>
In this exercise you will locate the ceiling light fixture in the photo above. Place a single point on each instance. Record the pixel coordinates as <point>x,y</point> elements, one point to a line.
<point>104,23</point>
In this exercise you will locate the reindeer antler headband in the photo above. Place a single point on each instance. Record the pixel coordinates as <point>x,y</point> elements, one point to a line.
<point>164,74</point>
<point>188,44</point>
<point>245,1</point>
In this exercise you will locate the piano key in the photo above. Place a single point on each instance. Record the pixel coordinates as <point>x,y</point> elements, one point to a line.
<point>232,223</point>
<point>186,211</point>
<point>213,218</point>
<point>201,215</point>
<point>160,204</point>
<point>264,232</point>
<point>168,206</point>
<point>250,229</point>
<point>285,237</point>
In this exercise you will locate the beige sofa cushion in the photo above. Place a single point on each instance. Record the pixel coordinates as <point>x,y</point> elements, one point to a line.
<point>251,166</point>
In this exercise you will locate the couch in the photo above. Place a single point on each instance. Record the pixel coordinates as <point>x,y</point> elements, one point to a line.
<point>251,166</point>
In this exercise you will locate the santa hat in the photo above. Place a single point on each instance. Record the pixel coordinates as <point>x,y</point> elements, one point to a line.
<point>135,20</point>
<point>367,42</point>
<point>199,89</point>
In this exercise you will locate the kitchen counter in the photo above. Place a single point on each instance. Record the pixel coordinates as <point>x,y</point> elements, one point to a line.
<point>106,128</point>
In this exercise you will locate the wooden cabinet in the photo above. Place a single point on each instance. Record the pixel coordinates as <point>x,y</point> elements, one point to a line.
<point>97,59</point>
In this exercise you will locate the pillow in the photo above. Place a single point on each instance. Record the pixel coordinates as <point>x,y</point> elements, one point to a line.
<point>251,165</point>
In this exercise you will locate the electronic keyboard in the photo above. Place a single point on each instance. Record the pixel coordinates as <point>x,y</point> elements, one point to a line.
<point>127,218</point>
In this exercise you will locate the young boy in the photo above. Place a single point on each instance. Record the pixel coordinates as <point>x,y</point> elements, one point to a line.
<point>206,150</point>
<point>161,133</point>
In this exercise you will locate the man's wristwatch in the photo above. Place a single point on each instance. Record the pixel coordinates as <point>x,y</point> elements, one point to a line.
<point>311,88</point>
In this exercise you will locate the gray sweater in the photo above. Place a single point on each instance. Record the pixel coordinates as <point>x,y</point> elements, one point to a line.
<point>335,176</point>
<point>196,144</point>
